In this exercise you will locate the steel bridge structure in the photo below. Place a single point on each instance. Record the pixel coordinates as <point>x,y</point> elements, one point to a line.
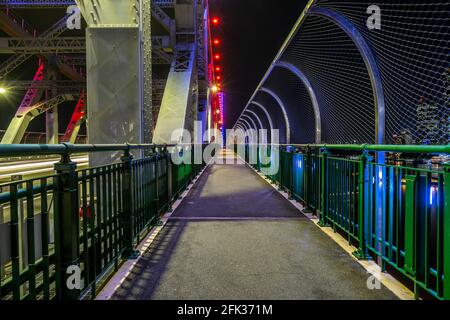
<point>337,170</point>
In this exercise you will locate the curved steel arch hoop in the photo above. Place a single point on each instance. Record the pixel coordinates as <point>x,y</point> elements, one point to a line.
<point>241,126</point>
<point>248,126</point>
<point>269,118</point>
<point>246,116</point>
<point>312,94</point>
<point>250,112</point>
<point>283,110</point>
<point>369,61</point>
<point>260,124</point>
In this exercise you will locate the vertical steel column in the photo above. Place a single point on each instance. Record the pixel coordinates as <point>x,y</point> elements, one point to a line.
<point>67,233</point>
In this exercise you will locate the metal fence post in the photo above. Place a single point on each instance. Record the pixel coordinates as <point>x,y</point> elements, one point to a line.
<point>290,156</point>
<point>324,192</point>
<point>280,169</point>
<point>169,180</point>
<point>446,228</point>
<point>67,235</point>
<point>363,180</point>
<point>127,202</point>
<point>306,169</point>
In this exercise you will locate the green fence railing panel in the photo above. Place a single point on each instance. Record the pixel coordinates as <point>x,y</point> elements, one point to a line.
<point>396,212</point>
<point>90,219</point>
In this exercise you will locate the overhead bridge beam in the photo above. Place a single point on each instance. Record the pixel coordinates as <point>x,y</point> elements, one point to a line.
<point>45,4</point>
<point>43,45</point>
<point>65,85</point>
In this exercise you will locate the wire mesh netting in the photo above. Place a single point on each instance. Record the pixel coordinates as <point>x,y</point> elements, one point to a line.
<point>336,70</point>
<point>412,52</point>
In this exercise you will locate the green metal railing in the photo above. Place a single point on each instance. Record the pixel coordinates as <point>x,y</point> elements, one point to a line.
<point>395,211</point>
<point>88,219</point>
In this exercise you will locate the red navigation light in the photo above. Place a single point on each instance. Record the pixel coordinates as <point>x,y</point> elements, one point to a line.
<point>216,42</point>
<point>215,21</point>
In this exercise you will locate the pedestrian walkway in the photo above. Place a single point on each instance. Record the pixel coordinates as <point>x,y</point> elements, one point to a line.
<point>235,237</point>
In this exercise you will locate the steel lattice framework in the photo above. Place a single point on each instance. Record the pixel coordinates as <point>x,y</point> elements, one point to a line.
<point>355,84</point>
<point>165,36</point>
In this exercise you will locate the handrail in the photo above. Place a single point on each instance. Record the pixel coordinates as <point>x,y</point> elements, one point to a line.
<point>432,149</point>
<point>68,148</point>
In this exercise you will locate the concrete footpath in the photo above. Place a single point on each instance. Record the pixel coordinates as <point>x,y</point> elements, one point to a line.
<point>235,237</point>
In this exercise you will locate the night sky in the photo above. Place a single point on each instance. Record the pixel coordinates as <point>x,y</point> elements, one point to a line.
<point>252,32</point>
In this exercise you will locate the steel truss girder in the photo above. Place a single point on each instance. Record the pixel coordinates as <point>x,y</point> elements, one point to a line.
<point>163,19</point>
<point>64,85</point>
<point>179,94</point>
<point>45,4</point>
<point>22,119</point>
<point>42,45</point>
<point>15,61</point>
<point>78,117</point>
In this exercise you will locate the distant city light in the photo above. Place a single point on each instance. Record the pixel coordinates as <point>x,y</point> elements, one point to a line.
<point>216,42</point>
<point>218,69</point>
<point>217,57</point>
<point>214,88</point>
<point>215,21</point>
